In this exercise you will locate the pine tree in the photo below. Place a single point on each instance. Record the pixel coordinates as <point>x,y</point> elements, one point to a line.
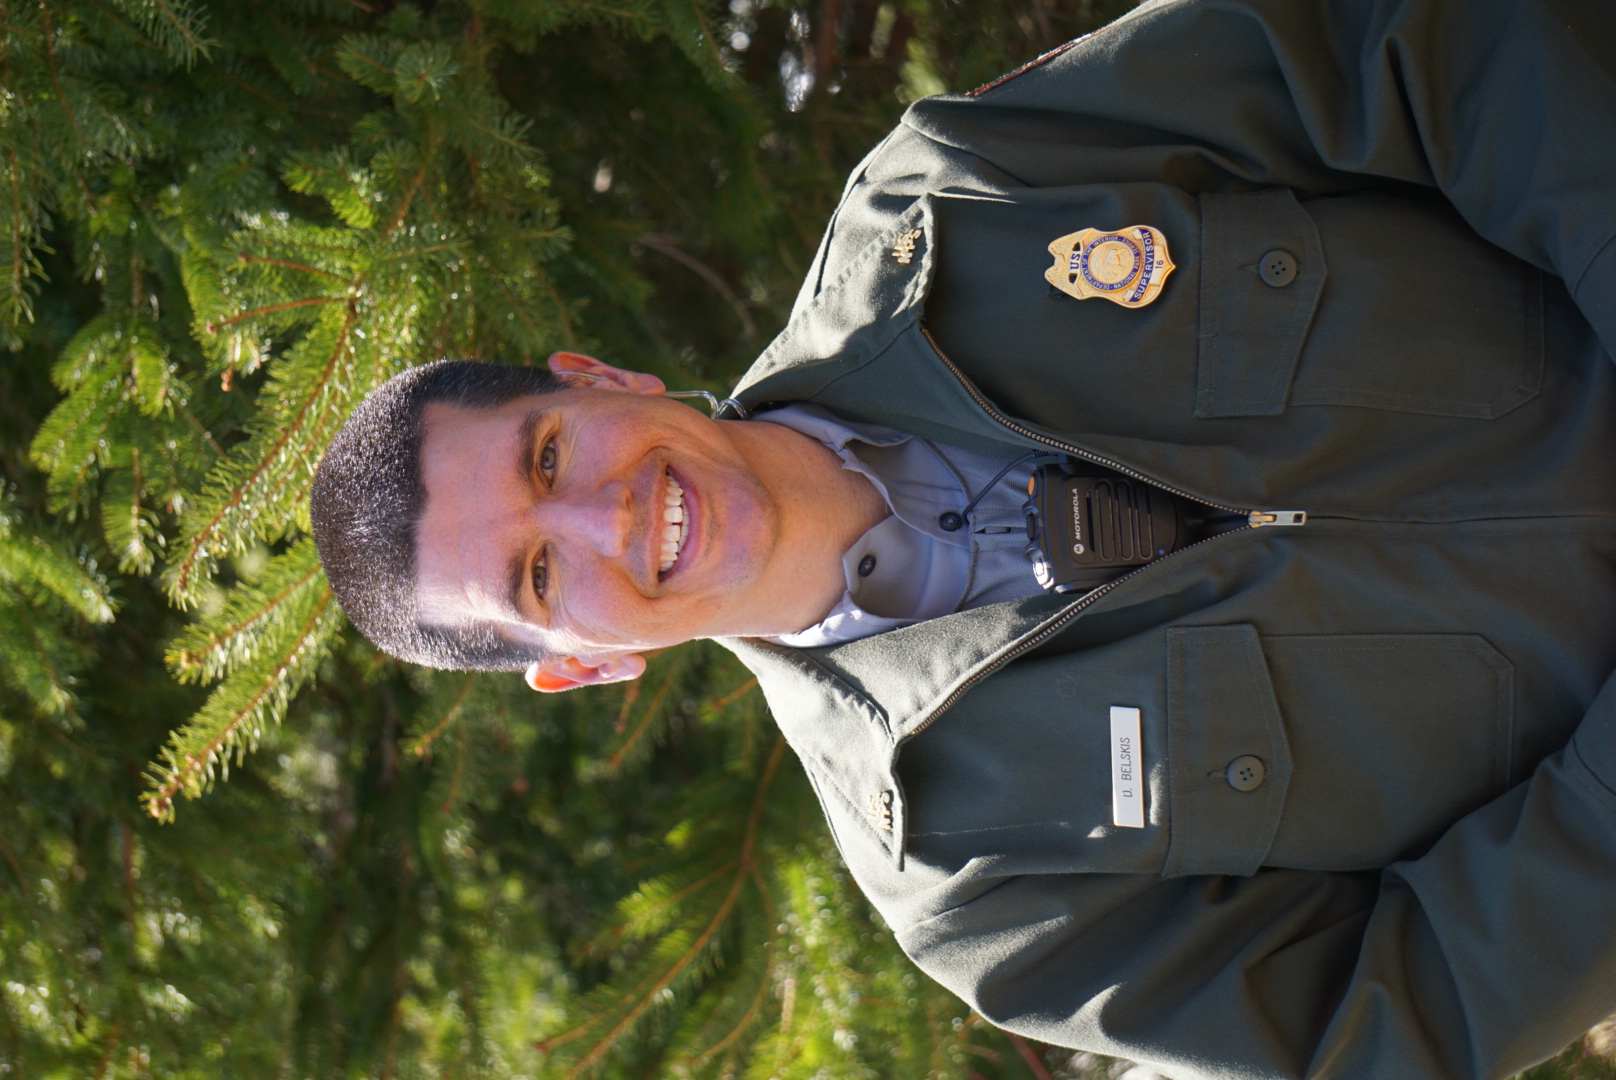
<point>225,223</point>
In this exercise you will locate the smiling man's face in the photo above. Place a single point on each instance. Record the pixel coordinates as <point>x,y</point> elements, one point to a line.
<point>550,516</point>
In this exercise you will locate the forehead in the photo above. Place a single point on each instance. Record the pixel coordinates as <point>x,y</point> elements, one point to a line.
<point>470,469</point>
<point>445,425</point>
<point>445,421</point>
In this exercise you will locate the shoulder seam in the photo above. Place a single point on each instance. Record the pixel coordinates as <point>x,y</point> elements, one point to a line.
<point>1028,66</point>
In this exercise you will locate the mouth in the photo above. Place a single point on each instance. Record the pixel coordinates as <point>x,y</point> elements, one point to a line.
<point>675,525</point>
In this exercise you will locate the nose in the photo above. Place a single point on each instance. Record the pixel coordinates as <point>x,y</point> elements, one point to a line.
<point>599,519</point>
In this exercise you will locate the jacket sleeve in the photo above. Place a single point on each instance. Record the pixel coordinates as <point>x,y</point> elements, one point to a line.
<point>1487,954</point>
<point>1507,107</point>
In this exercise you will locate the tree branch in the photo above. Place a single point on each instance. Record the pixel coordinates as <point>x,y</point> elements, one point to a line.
<point>1034,1062</point>
<point>830,20</point>
<point>666,245</point>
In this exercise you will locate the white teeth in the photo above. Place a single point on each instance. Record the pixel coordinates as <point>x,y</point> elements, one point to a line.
<point>675,527</point>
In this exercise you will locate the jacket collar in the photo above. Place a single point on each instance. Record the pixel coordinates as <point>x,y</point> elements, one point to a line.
<point>845,709</point>
<point>914,674</point>
<point>875,296</point>
<point>857,347</point>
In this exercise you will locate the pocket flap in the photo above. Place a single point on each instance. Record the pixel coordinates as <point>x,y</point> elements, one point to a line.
<point>1252,333</point>
<point>1393,738</point>
<point>1221,708</point>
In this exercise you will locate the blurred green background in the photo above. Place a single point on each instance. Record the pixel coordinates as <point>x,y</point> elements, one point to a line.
<point>223,222</point>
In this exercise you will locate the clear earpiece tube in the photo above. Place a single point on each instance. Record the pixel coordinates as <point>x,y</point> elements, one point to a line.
<point>721,408</point>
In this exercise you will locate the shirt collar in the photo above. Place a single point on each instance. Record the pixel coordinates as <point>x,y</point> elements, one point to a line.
<point>895,574</point>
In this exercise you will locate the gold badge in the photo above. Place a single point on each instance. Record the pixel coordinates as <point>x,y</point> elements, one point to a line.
<point>1126,266</point>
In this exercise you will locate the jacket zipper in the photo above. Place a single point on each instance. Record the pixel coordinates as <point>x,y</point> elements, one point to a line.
<point>1255,519</point>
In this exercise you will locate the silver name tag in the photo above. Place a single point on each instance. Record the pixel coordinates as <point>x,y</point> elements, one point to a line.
<point>1127,769</point>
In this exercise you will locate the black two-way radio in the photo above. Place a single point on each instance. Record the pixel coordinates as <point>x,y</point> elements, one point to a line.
<point>1087,525</point>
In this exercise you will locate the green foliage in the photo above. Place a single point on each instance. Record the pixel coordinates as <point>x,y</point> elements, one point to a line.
<point>222,223</point>
<point>1592,1057</point>
<point>46,591</point>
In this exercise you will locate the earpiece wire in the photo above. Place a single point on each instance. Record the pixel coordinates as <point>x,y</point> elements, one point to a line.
<point>717,406</point>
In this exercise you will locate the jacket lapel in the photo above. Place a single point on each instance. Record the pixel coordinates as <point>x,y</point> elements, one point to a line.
<point>857,347</point>
<point>845,709</point>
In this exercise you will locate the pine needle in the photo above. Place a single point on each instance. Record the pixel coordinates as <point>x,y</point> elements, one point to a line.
<point>235,715</point>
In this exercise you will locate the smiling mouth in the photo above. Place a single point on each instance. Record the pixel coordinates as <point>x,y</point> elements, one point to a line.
<point>675,524</point>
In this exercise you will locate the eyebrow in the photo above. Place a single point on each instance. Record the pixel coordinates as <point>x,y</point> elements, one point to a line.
<point>516,575</point>
<point>524,443</point>
<point>516,570</point>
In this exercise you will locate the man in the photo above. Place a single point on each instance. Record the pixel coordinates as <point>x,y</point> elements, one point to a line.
<point>1368,329</point>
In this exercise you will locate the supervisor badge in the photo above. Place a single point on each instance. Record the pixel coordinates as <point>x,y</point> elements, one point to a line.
<point>1126,266</point>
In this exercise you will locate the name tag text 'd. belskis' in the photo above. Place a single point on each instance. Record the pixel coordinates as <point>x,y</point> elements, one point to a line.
<point>1127,769</point>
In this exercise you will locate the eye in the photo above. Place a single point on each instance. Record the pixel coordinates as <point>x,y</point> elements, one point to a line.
<point>547,460</point>
<point>541,576</point>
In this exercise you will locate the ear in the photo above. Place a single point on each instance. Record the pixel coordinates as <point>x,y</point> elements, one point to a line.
<point>605,376</point>
<point>568,673</point>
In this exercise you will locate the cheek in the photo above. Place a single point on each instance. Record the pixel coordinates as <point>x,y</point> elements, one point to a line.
<point>597,609</point>
<point>607,611</point>
<point>748,522</point>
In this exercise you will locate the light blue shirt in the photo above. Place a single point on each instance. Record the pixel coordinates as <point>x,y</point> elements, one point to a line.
<point>908,568</point>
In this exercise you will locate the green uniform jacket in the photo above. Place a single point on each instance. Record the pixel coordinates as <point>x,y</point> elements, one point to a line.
<point>1424,884</point>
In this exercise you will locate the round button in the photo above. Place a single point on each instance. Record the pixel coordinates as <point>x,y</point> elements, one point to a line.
<point>1246,773</point>
<point>950,521</point>
<point>1278,268</point>
<point>866,566</point>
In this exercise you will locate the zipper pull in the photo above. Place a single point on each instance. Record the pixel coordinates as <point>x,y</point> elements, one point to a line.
<point>1259,518</point>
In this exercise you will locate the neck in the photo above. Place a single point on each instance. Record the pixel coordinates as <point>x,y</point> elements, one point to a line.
<point>824,509</point>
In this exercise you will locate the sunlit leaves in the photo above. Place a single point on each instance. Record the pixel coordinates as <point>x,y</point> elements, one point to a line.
<point>40,581</point>
<point>254,493</point>
<point>422,72</point>
<point>249,700</point>
<point>129,523</point>
<point>694,26</point>
<point>123,415</point>
<point>56,120</point>
<point>178,26</point>
<point>685,921</point>
<point>38,568</point>
<point>256,617</point>
<point>332,174</point>
<point>22,223</point>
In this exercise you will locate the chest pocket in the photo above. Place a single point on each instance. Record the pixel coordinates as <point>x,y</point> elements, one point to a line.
<point>1332,751</point>
<point>1364,300</point>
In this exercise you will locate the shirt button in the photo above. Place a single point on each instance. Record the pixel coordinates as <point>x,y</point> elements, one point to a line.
<point>866,566</point>
<point>1278,268</point>
<point>1246,773</point>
